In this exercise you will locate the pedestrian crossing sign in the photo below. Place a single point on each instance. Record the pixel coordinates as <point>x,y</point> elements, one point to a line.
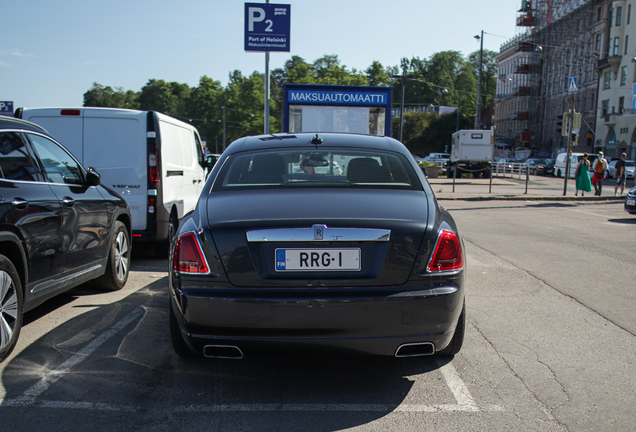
<point>573,86</point>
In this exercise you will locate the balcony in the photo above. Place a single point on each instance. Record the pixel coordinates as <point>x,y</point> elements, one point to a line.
<point>609,119</point>
<point>526,20</point>
<point>519,115</point>
<point>523,90</point>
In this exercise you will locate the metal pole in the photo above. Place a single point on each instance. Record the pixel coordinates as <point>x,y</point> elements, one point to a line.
<point>458,102</point>
<point>402,106</point>
<point>267,91</point>
<point>569,153</point>
<point>266,123</point>
<point>478,102</point>
<point>223,108</point>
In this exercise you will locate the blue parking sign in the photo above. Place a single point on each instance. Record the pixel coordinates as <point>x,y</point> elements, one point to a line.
<point>267,27</point>
<point>6,108</point>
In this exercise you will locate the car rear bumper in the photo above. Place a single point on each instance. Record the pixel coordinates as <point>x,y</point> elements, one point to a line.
<point>376,321</point>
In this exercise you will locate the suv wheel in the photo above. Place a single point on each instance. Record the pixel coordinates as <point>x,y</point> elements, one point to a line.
<point>11,304</point>
<point>116,273</point>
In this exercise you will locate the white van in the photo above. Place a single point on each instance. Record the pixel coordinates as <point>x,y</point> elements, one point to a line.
<point>559,165</point>
<point>154,161</point>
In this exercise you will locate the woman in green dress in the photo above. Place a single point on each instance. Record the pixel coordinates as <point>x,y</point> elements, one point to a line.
<point>582,177</point>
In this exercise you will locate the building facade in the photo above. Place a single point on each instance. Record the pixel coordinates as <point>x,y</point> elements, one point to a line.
<point>563,40</point>
<point>616,109</point>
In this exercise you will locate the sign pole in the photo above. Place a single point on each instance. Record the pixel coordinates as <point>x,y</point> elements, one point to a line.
<point>266,88</point>
<point>569,152</point>
<point>573,87</point>
<point>267,92</point>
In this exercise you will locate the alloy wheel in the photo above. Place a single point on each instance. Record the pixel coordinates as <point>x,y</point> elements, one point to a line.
<point>121,256</point>
<point>8,308</point>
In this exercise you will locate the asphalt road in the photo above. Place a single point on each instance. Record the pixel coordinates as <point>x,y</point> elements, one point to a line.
<point>549,346</point>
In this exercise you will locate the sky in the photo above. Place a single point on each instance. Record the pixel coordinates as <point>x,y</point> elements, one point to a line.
<point>51,52</point>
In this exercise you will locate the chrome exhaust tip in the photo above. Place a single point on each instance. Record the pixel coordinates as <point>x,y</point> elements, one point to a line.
<point>415,349</point>
<point>222,351</point>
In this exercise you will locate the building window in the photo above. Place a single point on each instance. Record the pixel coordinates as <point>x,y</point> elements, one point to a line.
<point>617,42</point>
<point>605,107</point>
<point>626,40</point>
<point>608,80</point>
<point>619,12</point>
<point>621,104</point>
<point>598,42</point>
<point>624,75</point>
<point>599,14</point>
<point>629,13</point>
<point>611,17</point>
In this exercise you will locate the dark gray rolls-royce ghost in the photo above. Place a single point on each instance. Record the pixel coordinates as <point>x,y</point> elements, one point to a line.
<point>317,241</point>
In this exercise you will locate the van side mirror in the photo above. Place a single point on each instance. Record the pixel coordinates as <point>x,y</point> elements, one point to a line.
<point>92,177</point>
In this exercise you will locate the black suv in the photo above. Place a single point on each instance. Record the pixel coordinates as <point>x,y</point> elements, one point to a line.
<point>59,227</point>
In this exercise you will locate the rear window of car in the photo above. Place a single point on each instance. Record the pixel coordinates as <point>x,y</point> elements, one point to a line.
<point>317,168</point>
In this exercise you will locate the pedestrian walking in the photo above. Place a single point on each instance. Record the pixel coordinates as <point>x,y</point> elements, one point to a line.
<point>582,176</point>
<point>600,168</point>
<point>619,173</point>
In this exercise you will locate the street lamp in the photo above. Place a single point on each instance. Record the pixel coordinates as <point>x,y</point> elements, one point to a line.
<point>481,61</point>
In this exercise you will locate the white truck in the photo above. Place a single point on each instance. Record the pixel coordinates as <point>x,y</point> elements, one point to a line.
<point>472,152</point>
<point>154,161</point>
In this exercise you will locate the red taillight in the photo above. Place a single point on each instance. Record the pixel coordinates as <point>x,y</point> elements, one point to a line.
<point>188,256</point>
<point>73,112</point>
<point>151,205</point>
<point>448,253</point>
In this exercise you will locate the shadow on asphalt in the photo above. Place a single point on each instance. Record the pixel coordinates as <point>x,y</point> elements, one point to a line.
<point>134,380</point>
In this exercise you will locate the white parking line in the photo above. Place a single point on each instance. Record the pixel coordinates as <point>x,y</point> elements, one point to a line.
<point>29,396</point>
<point>464,399</point>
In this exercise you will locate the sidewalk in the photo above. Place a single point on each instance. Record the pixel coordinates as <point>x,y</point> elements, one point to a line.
<point>507,188</point>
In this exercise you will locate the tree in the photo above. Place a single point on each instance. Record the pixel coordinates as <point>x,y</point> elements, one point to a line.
<point>204,108</point>
<point>106,96</point>
<point>377,75</point>
<point>168,98</point>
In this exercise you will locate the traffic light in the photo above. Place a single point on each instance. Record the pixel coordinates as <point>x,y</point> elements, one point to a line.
<point>575,138</point>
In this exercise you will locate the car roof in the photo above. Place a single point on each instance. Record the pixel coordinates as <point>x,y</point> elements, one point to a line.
<point>303,141</point>
<point>15,123</point>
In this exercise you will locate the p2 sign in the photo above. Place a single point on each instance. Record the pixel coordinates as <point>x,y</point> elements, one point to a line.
<point>6,108</point>
<point>267,27</point>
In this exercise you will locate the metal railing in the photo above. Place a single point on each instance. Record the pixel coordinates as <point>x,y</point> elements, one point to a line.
<point>513,169</point>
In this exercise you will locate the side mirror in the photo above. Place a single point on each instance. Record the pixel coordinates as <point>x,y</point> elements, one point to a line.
<point>92,177</point>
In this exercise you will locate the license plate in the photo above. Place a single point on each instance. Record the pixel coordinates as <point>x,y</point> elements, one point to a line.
<point>317,259</point>
<point>631,202</point>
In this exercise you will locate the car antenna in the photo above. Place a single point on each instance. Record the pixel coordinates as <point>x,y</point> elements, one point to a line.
<point>316,140</point>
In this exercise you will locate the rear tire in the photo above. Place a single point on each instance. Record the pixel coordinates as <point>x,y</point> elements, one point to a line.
<point>11,307</point>
<point>162,249</point>
<point>457,341</point>
<point>179,345</point>
<point>116,274</point>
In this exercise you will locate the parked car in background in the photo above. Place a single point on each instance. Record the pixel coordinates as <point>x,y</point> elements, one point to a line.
<point>507,164</point>
<point>540,166</point>
<point>441,159</point>
<point>313,262</point>
<point>59,227</point>
<point>630,166</point>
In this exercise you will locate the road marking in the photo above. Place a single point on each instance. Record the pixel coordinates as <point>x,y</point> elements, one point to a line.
<point>457,387</point>
<point>29,397</point>
<point>465,401</point>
